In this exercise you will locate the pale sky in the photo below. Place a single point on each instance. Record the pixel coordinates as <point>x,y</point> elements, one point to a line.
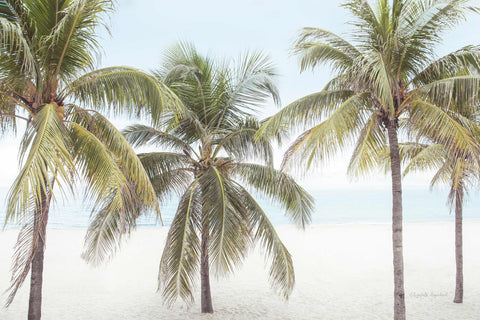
<point>142,29</point>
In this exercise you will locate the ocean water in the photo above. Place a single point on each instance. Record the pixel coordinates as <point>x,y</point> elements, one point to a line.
<point>331,207</point>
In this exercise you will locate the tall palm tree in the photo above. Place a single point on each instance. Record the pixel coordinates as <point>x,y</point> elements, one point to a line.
<point>387,72</point>
<point>451,169</point>
<point>217,219</point>
<point>47,78</point>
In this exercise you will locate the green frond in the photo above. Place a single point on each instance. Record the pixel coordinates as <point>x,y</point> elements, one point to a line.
<point>323,140</point>
<point>418,157</point>
<point>450,65</point>
<point>458,89</point>
<point>240,143</point>
<point>47,147</point>
<point>168,172</point>
<point>252,81</point>
<point>304,112</point>
<point>141,135</point>
<point>16,47</point>
<point>115,198</point>
<point>124,89</point>
<point>280,187</point>
<point>181,255</point>
<point>442,127</point>
<point>121,151</point>
<point>227,222</point>
<point>369,149</point>
<point>282,276</point>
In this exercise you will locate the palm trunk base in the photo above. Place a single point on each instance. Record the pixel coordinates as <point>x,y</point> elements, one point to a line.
<point>206,299</point>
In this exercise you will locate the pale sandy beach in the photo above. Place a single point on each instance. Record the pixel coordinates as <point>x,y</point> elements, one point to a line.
<point>343,272</point>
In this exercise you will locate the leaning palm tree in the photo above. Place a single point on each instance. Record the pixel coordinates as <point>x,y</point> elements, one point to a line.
<point>47,78</point>
<point>205,163</point>
<point>386,72</point>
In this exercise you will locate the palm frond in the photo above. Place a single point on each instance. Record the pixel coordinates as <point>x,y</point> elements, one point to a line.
<point>180,258</point>
<point>141,135</point>
<point>369,149</point>
<point>282,276</point>
<point>229,234</point>
<point>304,112</point>
<point>280,187</point>
<point>47,147</point>
<point>323,140</point>
<point>124,89</point>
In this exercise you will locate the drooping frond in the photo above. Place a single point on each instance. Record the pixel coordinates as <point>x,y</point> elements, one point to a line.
<point>47,146</point>
<point>121,151</point>
<point>280,187</point>
<point>323,140</point>
<point>180,258</point>
<point>457,89</point>
<point>113,195</point>
<point>282,277</point>
<point>442,127</point>
<point>369,149</point>
<point>227,221</point>
<point>304,112</point>
<point>15,47</point>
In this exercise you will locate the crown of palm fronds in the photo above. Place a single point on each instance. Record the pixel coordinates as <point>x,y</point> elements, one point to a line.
<point>47,78</point>
<point>386,72</point>
<point>207,149</point>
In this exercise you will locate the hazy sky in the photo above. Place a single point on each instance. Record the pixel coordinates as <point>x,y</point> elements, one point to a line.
<point>142,29</point>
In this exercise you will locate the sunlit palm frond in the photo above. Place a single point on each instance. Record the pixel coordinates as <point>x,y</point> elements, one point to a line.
<point>458,89</point>
<point>323,140</point>
<point>112,194</point>
<point>369,149</point>
<point>304,112</point>
<point>466,58</point>
<point>48,151</point>
<point>442,127</point>
<point>124,89</point>
<point>124,154</point>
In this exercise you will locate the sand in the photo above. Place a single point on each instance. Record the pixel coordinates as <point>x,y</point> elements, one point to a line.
<point>343,272</point>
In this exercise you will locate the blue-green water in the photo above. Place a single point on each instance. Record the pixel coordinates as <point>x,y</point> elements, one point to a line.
<point>331,207</point>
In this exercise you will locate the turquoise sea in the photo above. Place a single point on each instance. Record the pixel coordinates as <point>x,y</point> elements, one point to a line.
<point>331,207</point>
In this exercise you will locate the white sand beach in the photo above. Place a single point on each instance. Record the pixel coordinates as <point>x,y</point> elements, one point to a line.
<point>343,272</point>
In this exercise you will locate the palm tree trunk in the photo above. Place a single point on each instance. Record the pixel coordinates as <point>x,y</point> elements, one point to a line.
<point>459,246</point>
<point>206,299</point>
<point>36,273</point>
<point>397,224</point>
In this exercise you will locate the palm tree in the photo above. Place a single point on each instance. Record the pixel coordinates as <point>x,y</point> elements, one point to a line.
<point>387,72</point>
<point>47,78</point>
<point>217,219</point>
<point>459,173</point>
